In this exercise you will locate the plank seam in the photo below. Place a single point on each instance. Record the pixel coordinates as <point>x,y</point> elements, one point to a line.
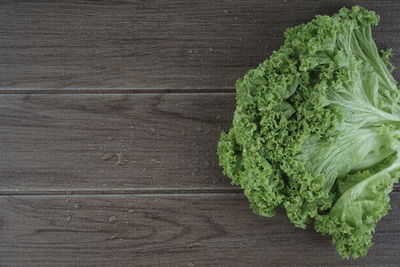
<point>145,191</point>
<point>82,91</point>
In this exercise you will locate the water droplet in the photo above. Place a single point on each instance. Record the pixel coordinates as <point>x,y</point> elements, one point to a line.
<point>195,244</point>
<point>112,219</point>
<point>155,161</point>
<point>113,237</point>
<point>122,160</point>
<point>108,155</point>
<point>154,216</point>
<point>195,171</point>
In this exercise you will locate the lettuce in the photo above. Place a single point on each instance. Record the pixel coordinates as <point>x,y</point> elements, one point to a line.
<point>317,130</point>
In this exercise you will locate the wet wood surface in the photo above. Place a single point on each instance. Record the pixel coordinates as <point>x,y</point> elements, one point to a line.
<point>110,113</point>
<point>169,229</point>
<point>174,44</point>
<point>72,142</point>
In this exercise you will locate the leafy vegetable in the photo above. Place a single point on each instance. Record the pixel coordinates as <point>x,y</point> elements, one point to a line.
<point>317,130</point>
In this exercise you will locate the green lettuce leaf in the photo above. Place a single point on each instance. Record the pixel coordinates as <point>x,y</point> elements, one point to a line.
<point>316,130</point>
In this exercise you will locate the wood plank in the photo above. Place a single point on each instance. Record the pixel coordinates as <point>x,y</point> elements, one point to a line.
<point>173,230</point>
<point>172,44</point>
<point>58,144</point>
<point>62,142</point>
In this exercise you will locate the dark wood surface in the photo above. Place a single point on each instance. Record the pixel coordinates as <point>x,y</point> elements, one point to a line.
<point>110,112</point>
<point>181,44</point>
<point>169,229</point>
<point>61,142</point>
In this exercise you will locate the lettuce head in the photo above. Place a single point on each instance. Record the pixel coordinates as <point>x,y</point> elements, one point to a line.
<point>317,130</point>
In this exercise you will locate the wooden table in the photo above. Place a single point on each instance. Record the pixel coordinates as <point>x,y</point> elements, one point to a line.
<point>110,112</point>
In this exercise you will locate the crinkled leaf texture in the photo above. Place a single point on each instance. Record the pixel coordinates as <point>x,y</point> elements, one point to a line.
<point>316,130</point>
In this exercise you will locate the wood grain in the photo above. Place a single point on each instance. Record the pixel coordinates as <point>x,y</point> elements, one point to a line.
<point>140,161</point>
<point>172,44</point>
<point>65,143</point>
<point>69,144</point>
<point>173,230</point>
